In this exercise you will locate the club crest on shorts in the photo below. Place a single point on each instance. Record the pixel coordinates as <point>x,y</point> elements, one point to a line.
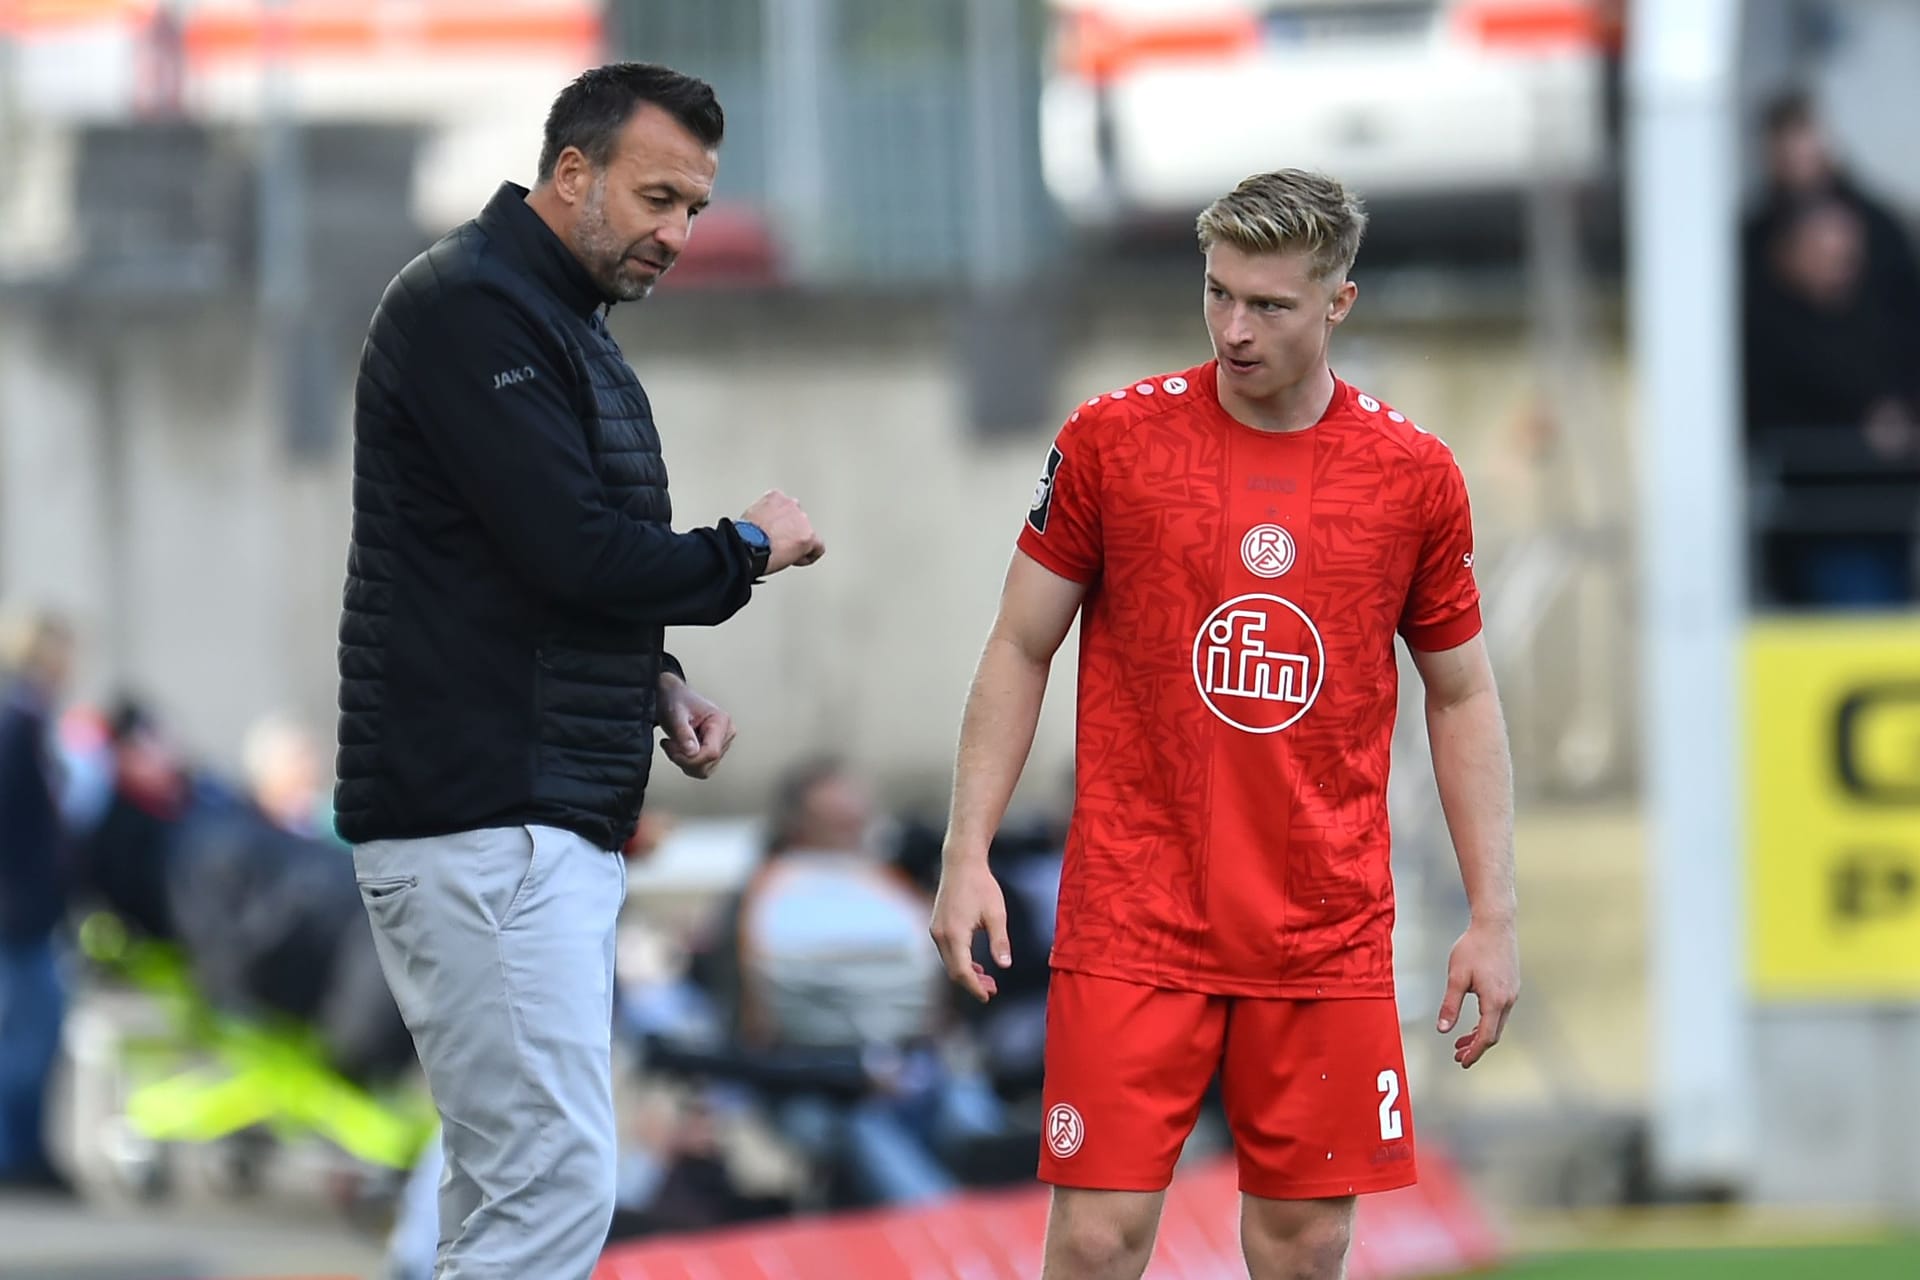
<point>1267,551</point>
<point>1258,662</point>
<point>1043,493</point>
<point>1065,1131</point>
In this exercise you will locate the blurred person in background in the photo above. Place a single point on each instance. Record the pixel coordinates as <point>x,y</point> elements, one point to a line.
<point>1802,169</point>
<point>511,573</point>
<point>38,654</point>
<point>125,851</point>
<point>1242,542</point>
<point>686,1178</point>
<point>251,888</point>
<point>831,954</point>
<point>270,913</point>
<point>1832,339</point>
<point>1833,375</point>
<point>285,776</point>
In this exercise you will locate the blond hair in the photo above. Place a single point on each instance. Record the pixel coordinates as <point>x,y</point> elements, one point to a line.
<point>30,636</point>
<point>1289,211</point>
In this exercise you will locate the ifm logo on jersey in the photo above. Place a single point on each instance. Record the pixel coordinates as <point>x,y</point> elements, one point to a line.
<point>1258,659</point>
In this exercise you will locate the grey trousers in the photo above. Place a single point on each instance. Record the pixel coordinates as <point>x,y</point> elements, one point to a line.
<point>498,945</point>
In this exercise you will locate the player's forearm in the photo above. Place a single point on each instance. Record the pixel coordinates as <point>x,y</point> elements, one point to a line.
<point>996,735</point>
<point>1474,772</point>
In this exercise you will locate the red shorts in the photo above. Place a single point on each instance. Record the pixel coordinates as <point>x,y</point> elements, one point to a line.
<point>1315,1090</point>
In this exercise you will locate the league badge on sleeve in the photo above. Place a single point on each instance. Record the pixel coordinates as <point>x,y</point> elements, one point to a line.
<point>1043,492</point>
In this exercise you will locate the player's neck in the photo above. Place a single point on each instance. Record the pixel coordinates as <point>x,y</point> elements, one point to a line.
<point>1291,408</point>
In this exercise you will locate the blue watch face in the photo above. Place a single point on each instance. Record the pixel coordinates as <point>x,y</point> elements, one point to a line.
<point>753,535</point>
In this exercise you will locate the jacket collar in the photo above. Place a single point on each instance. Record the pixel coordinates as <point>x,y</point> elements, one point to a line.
<point>509,219</point>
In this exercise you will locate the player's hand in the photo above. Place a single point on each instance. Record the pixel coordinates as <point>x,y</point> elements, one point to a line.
<point>1486,962</point>
<point>696,732</point>
<point>969,900</point>
<point>788,529</point>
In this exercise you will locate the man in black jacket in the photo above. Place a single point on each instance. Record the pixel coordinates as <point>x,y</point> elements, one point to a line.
<point>502,669</point>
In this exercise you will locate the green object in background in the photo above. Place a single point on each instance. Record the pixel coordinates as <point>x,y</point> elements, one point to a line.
<point>219,1075</point>
<point>1892,1261</point>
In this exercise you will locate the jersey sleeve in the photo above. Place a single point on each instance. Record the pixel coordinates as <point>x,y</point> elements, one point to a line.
<point>1443,604</point>
<point>1062,530</point>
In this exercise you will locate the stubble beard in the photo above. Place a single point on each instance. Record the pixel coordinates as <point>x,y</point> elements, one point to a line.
<point>603,253</point>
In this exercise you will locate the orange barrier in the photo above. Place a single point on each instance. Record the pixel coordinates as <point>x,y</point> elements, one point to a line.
<point>323,30</point>
<point>1099,47</point>
<point>1433,1229</point>
<point>41,17</point>
<point>1545,24</point>
<point>338,29</point>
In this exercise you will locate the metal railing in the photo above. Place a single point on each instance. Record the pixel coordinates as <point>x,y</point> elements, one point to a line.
<point>1809,485</point>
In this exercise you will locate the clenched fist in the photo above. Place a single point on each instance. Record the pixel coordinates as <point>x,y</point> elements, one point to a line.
<point>788,530</point>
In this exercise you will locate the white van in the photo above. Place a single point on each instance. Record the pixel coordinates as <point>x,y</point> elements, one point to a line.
<point>1151,108</point>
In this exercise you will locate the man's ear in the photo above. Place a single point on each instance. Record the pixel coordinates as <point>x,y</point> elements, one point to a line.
<point>572,176</point>
<point>1342,301</point>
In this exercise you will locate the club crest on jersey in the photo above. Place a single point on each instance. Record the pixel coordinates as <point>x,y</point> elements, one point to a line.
<point>1267,551</point>
<point>1043,492</point>
<point>1066,1131</point>
<point>1258,662</point>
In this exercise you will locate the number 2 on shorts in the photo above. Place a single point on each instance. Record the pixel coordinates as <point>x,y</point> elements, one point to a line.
<point>1390,1126</point>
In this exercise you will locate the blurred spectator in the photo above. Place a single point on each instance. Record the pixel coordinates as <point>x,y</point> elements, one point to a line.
<point>1824,346</point>
<point>1833,391</point>
<point>682,1175</point>
<point>272,914</point>
<point>1801,167</point>
<point>85,763</point>
<point>832,946</point>
<point>38,656</point>
<point>286,777</point>
<point>124,853</point>
<point>253,887</point>
<point>831,956</point>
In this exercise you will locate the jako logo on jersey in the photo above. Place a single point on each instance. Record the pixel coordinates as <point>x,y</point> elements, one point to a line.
<point>507,377</point>
<point>1065,1131</point>
<point>1272,484</point>
<point>1043,493</point>
<point>1258,662</point>
<point>1267,550</point>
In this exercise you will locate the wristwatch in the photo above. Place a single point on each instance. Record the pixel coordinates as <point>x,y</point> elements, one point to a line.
<point>759,546</point>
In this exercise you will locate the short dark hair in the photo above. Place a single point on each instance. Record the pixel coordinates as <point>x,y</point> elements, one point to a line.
<point>793,792</point>
<point>590,113</point>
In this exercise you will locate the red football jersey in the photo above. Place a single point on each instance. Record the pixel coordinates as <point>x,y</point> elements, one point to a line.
<point>1237,682</point>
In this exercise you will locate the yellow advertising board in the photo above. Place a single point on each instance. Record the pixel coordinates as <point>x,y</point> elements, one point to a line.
<point>1832,738</point>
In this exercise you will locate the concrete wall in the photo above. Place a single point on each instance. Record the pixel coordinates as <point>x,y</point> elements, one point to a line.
<point>143,492</point>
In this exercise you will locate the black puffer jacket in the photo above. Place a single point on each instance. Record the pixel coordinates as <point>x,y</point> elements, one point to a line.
<point>512,564</point>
